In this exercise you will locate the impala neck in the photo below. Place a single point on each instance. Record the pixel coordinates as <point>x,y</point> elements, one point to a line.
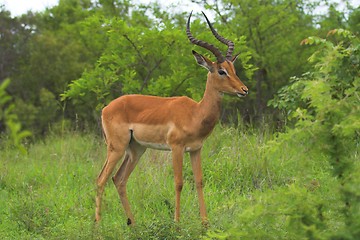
<point>211,101</point>
<point>209,107</point>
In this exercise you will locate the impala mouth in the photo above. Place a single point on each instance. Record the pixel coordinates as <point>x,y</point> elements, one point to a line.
<point>239,94</point>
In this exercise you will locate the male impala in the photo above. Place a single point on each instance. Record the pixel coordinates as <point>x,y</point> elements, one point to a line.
<point>132,123</point>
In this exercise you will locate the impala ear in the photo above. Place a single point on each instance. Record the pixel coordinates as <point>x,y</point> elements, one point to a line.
<point>235,57</point>
<point>203,61</point>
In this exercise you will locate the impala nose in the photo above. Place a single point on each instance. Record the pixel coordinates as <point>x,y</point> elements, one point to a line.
<point>245,90</point>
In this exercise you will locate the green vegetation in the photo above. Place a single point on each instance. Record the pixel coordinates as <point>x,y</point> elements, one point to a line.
<point>71,59</point>
<point>15,133</point>
<point>283,163</point>
<point>253,189</point>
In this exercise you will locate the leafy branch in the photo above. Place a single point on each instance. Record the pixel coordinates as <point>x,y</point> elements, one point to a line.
<point>13,127</point>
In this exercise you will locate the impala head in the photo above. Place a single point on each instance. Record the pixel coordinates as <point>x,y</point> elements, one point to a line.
<point>222,72</point>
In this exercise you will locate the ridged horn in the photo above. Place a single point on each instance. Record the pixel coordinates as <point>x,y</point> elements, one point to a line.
<point>220,58</point>
<point>225,41</point>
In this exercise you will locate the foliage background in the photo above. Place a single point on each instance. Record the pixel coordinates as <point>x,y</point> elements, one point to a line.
<point>283,164</point>
<point>71,59</point>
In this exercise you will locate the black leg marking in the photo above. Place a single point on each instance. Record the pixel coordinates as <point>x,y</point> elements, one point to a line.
<point>129,221</point>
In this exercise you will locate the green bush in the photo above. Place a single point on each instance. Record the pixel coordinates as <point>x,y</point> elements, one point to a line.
<point>324,105</point>
<point>14,134</point>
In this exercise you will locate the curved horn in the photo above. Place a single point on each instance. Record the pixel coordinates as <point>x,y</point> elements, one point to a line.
<point>220,58</point>
<point>227,42</point>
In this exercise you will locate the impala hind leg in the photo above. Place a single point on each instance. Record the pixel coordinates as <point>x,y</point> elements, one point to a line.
<point>114,154</point>
<point>134,152</point>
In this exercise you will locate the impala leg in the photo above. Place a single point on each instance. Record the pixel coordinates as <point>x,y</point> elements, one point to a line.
<point>122,175</point>
<point>120,185</point>
<point>113,156</point>
<point>196,167</point>
<point>177,157</point>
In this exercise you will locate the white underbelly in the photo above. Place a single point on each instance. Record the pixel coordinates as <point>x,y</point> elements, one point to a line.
<point>144,135</point>
<point>164,146</point>
<point>158,146</point>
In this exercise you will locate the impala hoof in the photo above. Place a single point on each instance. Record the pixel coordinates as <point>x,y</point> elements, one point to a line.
<point>205,223</point>
<point>129,222</point>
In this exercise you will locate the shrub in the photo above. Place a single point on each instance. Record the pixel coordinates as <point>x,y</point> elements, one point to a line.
<point>14,132</point>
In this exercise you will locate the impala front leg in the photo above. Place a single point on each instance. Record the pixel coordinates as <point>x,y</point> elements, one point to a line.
<point>196,167</point>
<point>177,157</point>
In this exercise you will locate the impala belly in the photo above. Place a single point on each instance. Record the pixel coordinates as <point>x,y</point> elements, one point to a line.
<point>151,136</point>
<point>166,147</point>
<point>156,137</point>
<point>158,146</point>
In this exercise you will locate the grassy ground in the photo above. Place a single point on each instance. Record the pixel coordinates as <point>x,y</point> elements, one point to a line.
<point>251,192</point>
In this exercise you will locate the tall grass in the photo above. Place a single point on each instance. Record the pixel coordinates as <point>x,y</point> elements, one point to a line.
<point>250,192</point>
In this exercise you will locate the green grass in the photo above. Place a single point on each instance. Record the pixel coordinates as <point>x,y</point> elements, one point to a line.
<point>251,192</point>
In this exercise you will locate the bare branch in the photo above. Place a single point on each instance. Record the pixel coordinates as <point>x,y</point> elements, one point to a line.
<point>142,59</point>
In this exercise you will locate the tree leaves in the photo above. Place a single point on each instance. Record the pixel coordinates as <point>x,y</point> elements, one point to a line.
<point>142,48</point>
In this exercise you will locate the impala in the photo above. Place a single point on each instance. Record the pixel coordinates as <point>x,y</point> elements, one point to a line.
<point>133,123</point>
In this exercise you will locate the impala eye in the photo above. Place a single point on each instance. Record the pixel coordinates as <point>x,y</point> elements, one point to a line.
<point>221,72</point>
